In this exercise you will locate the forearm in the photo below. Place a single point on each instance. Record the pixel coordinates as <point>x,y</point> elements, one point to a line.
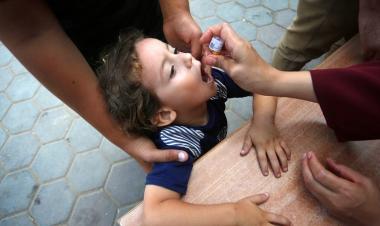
<point>264,108</point>
<point>34,36</point>
<point>175,212</point>
<point>296,84</point>
<point>170,8</point>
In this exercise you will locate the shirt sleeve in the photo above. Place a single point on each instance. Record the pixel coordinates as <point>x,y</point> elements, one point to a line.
<point>233,90</point>
<point>171,175</point>
<point>350,100</point>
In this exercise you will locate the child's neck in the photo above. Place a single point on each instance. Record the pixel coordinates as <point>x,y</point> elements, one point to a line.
<point>197,116</point>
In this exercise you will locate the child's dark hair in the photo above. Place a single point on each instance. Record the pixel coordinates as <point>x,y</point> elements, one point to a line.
<point>129,102</point>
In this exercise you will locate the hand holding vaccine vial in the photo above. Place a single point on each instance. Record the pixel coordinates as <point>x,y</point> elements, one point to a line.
<point>216,45</point>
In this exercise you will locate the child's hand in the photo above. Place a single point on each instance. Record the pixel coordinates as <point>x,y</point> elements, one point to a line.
<point>249,214</point>
<point>263,137</point>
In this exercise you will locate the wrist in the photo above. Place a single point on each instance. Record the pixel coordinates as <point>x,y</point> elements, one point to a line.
<point>173,9</point>
<point>270,81</point>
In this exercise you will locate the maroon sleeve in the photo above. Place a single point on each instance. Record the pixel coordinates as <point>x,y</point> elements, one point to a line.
<point>350,100</point>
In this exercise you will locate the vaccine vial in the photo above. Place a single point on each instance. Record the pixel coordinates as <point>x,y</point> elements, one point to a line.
<point>216,45</point>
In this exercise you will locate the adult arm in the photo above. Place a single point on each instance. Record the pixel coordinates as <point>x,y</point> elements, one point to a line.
<point>164,207</point>
<point>34,36</point>
<point>349,97</point>
<point>180,29</point>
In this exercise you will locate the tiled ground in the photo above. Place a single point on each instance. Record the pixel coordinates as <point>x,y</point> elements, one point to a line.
<point>55,169</point>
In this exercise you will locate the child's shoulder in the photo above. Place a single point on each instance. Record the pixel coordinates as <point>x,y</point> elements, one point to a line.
<point>180,137</point>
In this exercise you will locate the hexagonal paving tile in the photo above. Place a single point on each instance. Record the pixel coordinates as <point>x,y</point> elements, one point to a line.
<point>131,188</point>
<point>270,35</point>
<point>21,117</point>
<point>5,55</point>
<point>17,67</point>
<point>4,104</point>
<point>249,3</point>
<point>53,124</point>
<point>15,192</point>
<point>230,11</point>
<point>263,50</point>
<point>18,220</point>
<point>284,17</point>
<point>95,209</point>
<point>52,161</point>
<point>259,16</point>
<point>22,87</point>
<point>2,172</point>
<point>112,152</point>
<point>3,137</point>
<point>221,1</point>
<point>245,29</point>
<point>53,203</point>
<point>275,4</point>
<point>46,99</point>
<point>234,121</point>
<point>89,171</point>
<point>19,151</point>
<point>208,22</point>
<point>202,8</point>
<point>242,107</point>
<point>83,136</point>
<point>293,4</point>
<point>5,77</point>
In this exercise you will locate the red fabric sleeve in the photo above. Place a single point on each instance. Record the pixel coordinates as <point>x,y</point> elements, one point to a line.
<point>350,100</point>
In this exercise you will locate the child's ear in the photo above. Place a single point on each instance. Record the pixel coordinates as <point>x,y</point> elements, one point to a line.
<point>164,116</point>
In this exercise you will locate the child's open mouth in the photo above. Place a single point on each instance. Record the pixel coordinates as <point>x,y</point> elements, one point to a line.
<point>206,77</point>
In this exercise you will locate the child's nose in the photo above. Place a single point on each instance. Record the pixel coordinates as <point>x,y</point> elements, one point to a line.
<point>188,59</point>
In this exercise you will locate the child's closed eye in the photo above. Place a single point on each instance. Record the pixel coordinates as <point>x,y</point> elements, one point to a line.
<point>172,72</point>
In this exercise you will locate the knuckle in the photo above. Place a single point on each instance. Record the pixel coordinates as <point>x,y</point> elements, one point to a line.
<point>320,175</point>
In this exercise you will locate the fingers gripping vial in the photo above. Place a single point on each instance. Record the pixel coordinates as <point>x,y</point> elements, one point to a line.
<point>216,45</point>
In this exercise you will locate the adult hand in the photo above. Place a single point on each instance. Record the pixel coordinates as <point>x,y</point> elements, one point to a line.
<point>369,28</point>
<point>238,58</point>
<point>346,193</point>
<point>264,138</point>
<point>249,214</point>
<point>146,153</point>
<point>183,32</point>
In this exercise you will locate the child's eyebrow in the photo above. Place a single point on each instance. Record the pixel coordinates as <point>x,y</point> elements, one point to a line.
<point>164,60</point>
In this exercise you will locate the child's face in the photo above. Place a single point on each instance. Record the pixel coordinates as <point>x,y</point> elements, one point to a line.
<point>176,78</point>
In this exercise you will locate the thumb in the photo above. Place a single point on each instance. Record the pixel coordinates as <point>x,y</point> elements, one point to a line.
<point>196,48</point>
<point>259,198</point>
<point>168,155</point>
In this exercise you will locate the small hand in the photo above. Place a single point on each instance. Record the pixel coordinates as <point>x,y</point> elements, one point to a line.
<point>182,32</point>
<point>249,214</point>
<point>264,138</point>
<point>346,193</point>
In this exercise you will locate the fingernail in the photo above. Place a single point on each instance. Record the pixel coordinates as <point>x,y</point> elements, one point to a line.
<point>304,156</point>
<point>286,169</point>
<point>309,155</point>
<point>212,61</point>
<point>181,157</point>
<point>266,194</point>
<point>265,173</point>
